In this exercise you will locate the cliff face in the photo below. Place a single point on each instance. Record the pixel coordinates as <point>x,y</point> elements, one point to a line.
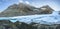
<point>46,10</point>
<point>24,9</point>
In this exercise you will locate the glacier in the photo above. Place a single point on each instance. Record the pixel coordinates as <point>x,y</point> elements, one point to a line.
<point>53,18</point>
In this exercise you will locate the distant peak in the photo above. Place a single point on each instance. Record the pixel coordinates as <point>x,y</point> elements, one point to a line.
<point>45,6</point>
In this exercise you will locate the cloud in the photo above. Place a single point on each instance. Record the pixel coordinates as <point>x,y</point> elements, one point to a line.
<point>27,2</point>
<point>35,4</point>
<point>21,1</point>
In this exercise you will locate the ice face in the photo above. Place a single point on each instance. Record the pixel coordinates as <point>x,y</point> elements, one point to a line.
<point>53,18</point>
<point>55,13</point>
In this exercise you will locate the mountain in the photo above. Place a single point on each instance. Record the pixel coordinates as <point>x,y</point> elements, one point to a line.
<point>24,9</point>
<point>46,9</point>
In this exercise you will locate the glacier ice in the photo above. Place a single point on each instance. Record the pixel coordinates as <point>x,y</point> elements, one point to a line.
<point>53,18</point>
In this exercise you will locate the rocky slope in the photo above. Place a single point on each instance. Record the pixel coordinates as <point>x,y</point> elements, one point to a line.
<point>6,24</point>
<point>25,9</point>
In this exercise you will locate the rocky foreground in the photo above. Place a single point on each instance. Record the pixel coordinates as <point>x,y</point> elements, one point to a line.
<point>6,24</point>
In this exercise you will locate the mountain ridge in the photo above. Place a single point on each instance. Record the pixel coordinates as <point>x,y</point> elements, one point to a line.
<point>24,9</point>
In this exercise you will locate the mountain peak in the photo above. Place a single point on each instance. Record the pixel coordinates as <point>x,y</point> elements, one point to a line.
<point>45,6</point>
<point>24,9</point>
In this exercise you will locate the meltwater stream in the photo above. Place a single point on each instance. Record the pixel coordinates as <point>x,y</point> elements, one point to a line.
<point>53,18</point>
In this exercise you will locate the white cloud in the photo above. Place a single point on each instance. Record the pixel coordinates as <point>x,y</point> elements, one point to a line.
<point>35,4</point>
<point>21,1</point>
<point>27,2</point>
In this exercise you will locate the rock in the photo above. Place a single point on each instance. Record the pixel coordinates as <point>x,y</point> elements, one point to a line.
<point>22,9</point>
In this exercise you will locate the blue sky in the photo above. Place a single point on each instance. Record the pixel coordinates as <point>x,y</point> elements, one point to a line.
<point>5,3</point>
<point>37,3</point>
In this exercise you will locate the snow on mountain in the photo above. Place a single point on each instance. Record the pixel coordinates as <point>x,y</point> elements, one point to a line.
<point>53,18</point>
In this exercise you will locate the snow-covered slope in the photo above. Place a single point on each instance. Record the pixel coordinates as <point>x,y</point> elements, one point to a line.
<point>53,18</point>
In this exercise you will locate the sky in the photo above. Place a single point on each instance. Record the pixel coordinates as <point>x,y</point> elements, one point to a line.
<point>54,4</point>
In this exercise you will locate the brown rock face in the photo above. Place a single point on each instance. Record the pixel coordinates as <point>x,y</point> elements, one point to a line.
<point>24,9</point>
<point>46,9</point>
